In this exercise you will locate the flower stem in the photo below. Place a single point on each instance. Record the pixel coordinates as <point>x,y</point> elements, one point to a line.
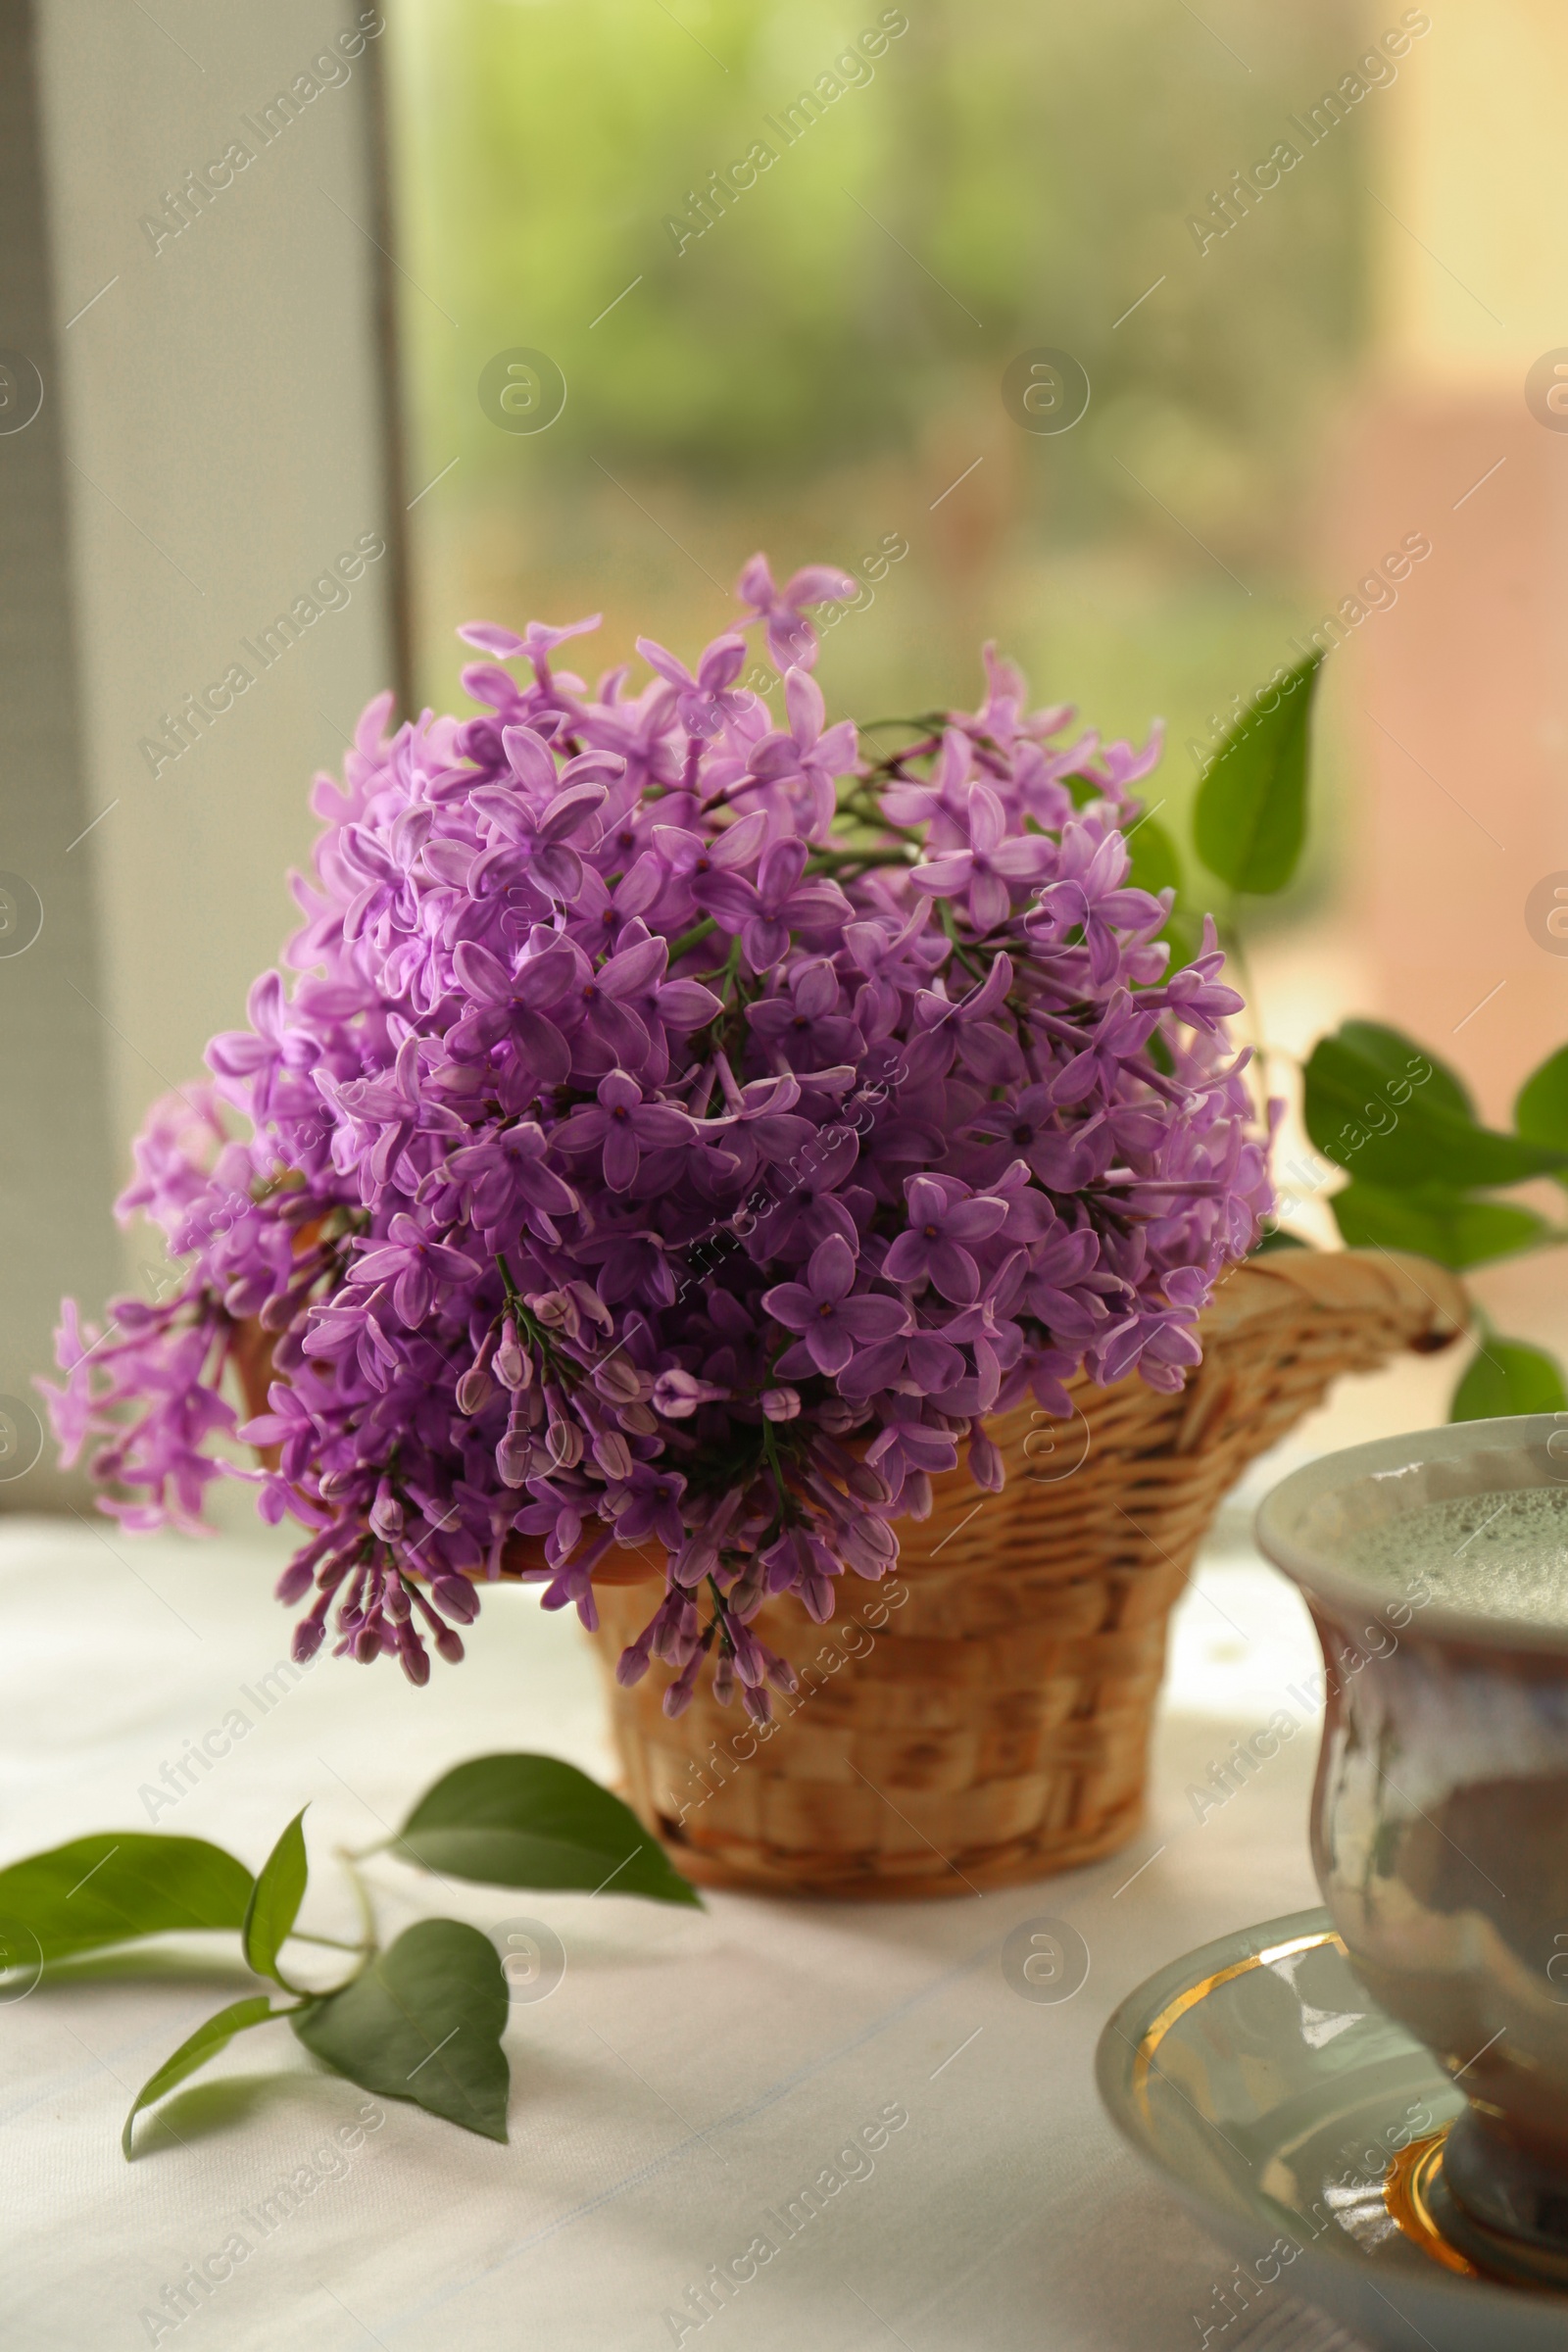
<point>692,939</point>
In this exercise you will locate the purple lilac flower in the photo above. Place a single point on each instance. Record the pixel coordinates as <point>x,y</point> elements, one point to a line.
<point>638,1153</point>
<point>942,1216</point>
<point>992,868</point>
<point>792,642</point>
<point>624,1126</point>
<point>829,1320</point>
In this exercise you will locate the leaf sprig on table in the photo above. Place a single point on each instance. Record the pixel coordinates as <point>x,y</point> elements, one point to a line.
<point>422,2020</point>
<point>1424,1172</point>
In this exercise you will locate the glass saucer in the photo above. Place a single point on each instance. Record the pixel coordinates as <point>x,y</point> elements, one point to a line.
<point>1306,2129</point>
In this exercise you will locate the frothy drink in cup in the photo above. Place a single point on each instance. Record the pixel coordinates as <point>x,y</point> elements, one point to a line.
<point>1498,1555</point>
<point>1436,1568</point>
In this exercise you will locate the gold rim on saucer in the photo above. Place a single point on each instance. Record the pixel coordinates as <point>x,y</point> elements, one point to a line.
<point>1305,2127</point>
<point>1406,2194</point>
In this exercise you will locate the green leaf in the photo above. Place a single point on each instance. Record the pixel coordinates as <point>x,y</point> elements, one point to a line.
<point>206,2042</point>
<point>1155,865</point>
<point>1540,1108</point>
<point>1393,1127</point>
<point>118,1885</point>
<point>1507,1376</point>
<point>275,1900</point>
<point>424,2022</point>
<point>1152,861</point>
<point>1250,815</point>
<point>1447,1226</point>
<point>1395,1054</point>
<point>533,1821</point>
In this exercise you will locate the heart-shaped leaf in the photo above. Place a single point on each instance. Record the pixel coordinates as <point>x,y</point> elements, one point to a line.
<point>275,1900</point>
<point>121,1884</point>
<point>1446,1226</point>
<point>422,2022</point>
<point>1411,1128</point>
<point>533,1821</point>
<point>1508,1376</point>
<point>208,2040</point>
<point>1250,815</point>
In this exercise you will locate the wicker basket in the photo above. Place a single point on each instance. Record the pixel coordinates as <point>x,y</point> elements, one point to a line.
<point>984,1716</point>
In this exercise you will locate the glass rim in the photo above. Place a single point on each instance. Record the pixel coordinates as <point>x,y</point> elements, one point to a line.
<point>1284,1533</point>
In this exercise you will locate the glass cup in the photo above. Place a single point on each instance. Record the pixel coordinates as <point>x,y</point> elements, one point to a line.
<point>1439,1816</point>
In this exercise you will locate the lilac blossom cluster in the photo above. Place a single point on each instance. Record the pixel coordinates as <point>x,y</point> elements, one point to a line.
<point>682,1132</point>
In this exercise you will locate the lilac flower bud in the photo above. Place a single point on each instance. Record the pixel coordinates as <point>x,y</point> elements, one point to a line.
<point>723,1679</point>
<point>676,1634</point>
<point>294,1582</point>
<point>750,1658</point>
<point>450,1644</point>
<point>247,1296</point>
<point>516,1453</point>
<point>515,1457</point>
<point>781,1405</point>
<point>758,1706</point>
<point>816,1597</point>
<point>632,1663</point>
<point>590,1307</point>
<point>412,1658</point>
<point>986,1465</point>
<point>860,1558</point>
<point>513,1368</point>
<point>386,1513</point>
<point>564,1442</point>
<point>746,1594</point>
<point>278,1311</point>
<point>619,1379</point>
<point>678,1697</point>
<point>307,1640</point>
<point>613,1453</point>
<point>786,1561</point>
<point>637,1420</point>
<point>474,1389</point>
<point>677,1394</point>
<point>457,1598</point>
<point>367,1643</point>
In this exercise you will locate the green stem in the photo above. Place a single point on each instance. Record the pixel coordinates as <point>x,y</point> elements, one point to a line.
<point>898,854</point>
<point>369,1948</point>
<point>692,939</point>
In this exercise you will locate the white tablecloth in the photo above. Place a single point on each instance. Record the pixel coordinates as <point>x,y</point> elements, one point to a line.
<point>692,2074</point>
